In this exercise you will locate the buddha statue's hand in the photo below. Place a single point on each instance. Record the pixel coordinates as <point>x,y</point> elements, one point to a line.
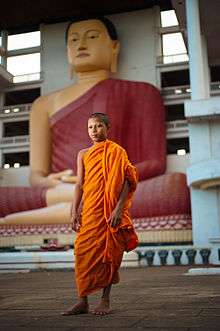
<point>52,180</point>
<point>65,176</point>
<point>69,179</point>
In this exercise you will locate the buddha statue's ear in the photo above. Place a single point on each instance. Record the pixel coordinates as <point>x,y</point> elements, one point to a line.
<point>115,52</point>
<point>71,71</point>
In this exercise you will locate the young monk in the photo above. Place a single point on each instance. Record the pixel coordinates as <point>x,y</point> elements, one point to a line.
<point>106,182</point>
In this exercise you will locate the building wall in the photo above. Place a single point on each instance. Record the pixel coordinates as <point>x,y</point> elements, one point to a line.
<point>53,57</point>
<point>177,163</point>
<point>137,59</point>
<point>14,177</point>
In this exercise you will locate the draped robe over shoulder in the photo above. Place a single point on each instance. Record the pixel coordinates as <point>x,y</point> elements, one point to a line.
<point>99,247</point>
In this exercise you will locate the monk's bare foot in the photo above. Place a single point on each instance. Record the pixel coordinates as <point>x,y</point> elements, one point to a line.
<point>78,308</point>
<point>103,307</point>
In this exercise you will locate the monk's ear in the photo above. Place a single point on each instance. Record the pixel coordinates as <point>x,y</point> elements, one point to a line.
<point>115,52</point>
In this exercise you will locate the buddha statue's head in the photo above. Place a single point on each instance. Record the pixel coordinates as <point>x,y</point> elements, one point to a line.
<point>92,44</point>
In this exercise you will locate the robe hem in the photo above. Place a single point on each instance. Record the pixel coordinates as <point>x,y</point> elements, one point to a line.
<point>98,288</point>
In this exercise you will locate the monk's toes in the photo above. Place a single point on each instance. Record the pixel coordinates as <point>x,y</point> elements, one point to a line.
<point>75,311</point>
<point>100,313</point>
<point>96,312</point>
<point>67,313</point>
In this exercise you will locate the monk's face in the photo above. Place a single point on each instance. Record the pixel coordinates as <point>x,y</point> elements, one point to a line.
<point>89,46</point>
<point>97,130</point>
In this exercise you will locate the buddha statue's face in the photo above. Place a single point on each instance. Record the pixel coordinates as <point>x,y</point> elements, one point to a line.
<point>90,47</point>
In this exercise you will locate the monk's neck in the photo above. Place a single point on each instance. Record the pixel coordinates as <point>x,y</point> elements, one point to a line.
<point>98,142</point>
<point>93,77</point>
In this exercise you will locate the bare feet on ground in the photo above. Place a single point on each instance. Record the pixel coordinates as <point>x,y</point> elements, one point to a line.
<point>78,308</point>
<point>103,308</point>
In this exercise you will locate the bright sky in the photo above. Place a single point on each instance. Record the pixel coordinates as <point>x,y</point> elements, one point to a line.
<point>173,47</point>
<point>24,64</point>
<point>168,18</point>
<point>23,40</point>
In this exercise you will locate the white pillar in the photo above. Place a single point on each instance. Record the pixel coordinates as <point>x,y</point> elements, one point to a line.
<point>204,134</point>
<point>206,69</point>
<point>198,59</point>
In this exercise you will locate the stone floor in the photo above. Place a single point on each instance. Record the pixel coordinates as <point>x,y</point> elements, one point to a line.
<point>153,298</point>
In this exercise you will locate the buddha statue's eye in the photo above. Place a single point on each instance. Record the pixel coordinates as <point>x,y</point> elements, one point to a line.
<point>92,34</point>
<point>74,37</point>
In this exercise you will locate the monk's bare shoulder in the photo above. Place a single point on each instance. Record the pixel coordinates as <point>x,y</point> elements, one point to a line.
<point>81,165</point>
<point>82,152</point>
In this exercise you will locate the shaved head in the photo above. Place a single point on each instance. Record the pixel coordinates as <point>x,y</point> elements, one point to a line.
<point>102,117</point>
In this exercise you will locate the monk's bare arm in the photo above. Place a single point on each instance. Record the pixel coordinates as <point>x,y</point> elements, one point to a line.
<point>78,191</point>
<point>117,213</point>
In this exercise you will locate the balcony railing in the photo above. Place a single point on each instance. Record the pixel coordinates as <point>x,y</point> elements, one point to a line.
<point>176,125</point>
<point>15,110</point>
<point>184,91</point>
<point>16,141</point>
<point>177,129</point>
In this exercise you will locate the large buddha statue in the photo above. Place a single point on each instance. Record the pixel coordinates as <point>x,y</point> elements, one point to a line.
<point>58,130</point>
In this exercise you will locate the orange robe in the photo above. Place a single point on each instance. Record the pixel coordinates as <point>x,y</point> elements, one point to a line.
<point>99,247</point>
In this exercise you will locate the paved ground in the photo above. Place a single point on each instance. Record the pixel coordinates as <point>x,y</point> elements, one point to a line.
<point>156,298</point>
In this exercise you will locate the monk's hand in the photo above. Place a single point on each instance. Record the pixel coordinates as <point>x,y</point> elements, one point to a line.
<point>115,217</point>
<point>76,222</point>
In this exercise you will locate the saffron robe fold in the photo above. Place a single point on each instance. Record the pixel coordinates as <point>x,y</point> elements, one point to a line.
<point>99,247</point>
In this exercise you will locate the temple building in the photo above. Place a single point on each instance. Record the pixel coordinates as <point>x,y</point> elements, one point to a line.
<point>170,44</point>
